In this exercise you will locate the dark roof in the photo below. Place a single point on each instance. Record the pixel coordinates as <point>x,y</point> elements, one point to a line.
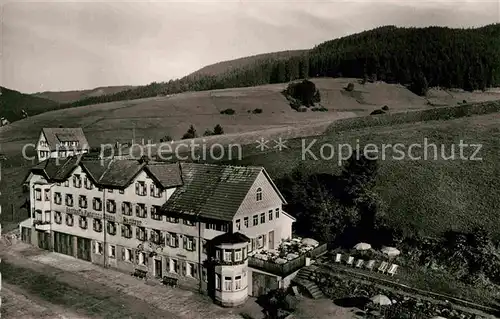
<point>212,191</point>
<point>113,173</point>
<point>67,134</point>
<point>167,175</point>
<point>230,238</point>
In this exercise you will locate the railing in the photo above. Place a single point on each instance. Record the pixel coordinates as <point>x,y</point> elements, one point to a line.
<point>289,267</point>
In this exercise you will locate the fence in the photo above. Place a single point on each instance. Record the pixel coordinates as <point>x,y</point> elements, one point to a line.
<point>289,267</point>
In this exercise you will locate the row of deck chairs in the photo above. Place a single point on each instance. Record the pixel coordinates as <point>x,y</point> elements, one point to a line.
<point>370,265</point>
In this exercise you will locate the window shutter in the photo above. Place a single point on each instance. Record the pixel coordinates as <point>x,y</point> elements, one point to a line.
<point>136,255</point>
<point>146,259</point>
<point>137,232</point>
<point>184,270</point>
<point>194,244</point>
<point>123,253</point>
<point>184,242</point>
<point>152,190</point>
<point>137,188</point>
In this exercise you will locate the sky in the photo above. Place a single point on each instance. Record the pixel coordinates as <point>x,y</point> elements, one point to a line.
<point>61,46</point>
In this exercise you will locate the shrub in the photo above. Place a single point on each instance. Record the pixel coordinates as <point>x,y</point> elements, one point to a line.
<point>304,92</point>
<point>166,138</point>
<point>385,108</point>
<point>208,133</point>
<point>350,87</point>
<point>227,111</point>
<point>218,130</point>
<point>191,133</point>
<point>376,112</point>
<point>257,111</point>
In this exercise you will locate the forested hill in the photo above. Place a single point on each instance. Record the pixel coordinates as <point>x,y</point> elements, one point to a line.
<point>433,56</point>
<point>15,105</point>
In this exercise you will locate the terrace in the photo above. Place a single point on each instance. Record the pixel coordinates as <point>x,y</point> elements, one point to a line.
<point>290,256</point>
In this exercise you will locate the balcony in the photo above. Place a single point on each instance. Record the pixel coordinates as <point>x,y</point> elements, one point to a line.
<point>287,259</point>
<point>42,225</point>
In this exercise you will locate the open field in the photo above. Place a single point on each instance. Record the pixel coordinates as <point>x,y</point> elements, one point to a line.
<point>71,96</point>
<point>156,117</point>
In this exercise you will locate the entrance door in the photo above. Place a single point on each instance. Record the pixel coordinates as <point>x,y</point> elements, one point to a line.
<point>43,240</point>
<point>271,239</point>
<point>83,246</point>
<point>158,268</point>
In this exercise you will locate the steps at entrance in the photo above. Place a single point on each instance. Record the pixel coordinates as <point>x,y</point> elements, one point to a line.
<point>303,280</point>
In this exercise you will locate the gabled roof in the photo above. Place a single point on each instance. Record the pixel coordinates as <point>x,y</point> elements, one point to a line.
<point>55,136</point>
<point>114,173</point>
<point>212,191</point>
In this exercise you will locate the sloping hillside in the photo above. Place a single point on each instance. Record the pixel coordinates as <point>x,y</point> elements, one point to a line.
<point>230,65</point>
<point>72,96</point>
<point>13,103</point>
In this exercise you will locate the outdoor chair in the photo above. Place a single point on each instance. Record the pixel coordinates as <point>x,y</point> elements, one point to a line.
<point>338,258</point>
<point>383,267</point>
<point>350,261</point>
<point>360,263</point>
<point>392,270</point>
<point>370,265</point>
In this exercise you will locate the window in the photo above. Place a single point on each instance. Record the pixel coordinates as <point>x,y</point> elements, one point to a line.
<point>140,210</point>
<point>47,215</point>
<point>189,243</point>
<point>156,237</point>
<point>188,222</point>
<point>77,181</point>
<point>63,153</point>
<point>58,217</point>
<point>140,233</point>
<point>111,206</point>
<point>204,246</point>
<point>173,240</point>
<point>87,183</point>
<point>66,183</point>
<point>217,281</point>
<point>270,215</point>
<point>126,208</point>
<point>237,255</point>
<point>110,190</point>
<point>155,191</point>
<point>255,220</point>
<point>260,241</point>
<point>69,200</point>
<point>204,274</point>
<point>245,221</point>
<point>154,213</point>
<point>122,191</point>
<point>174,265</point>
<point>127,231</point>
<point>173,220</point>
<point>277,212</point>
<point>127,254</point>
<point>262,218</point>
<point>142,259</point>
<point>82,201</point>
<point>97,203</point>
<point>98,248</point>
<point>38,194</point>
<point>217,254</point>
<point>57,198</point>
<point>47,195</point>
<point>237,283</point>
<point>111,227</point>
<point>228,282</point>
<point>97,225</point>
<point>38,215</point>
<point>140,189</point>
<point>69,219</point>
<point>258,194</point>
<point>112,251</point>
<point>238,226</point>
<point>228,255</point>
<point>83,222</point>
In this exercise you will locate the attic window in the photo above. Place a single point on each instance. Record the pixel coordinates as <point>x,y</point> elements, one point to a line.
<point>259,194</point>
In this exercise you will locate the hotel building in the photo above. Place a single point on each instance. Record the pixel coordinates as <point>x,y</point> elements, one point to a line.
<point>196,222</point>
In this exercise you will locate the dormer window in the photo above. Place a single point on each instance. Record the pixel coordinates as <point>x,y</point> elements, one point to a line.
<point>258,195</point>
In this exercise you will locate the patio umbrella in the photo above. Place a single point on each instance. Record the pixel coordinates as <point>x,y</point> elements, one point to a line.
<point>362,246</point>
<point>309,242</point>
<point>391,251</point>
<point>381,300</point>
